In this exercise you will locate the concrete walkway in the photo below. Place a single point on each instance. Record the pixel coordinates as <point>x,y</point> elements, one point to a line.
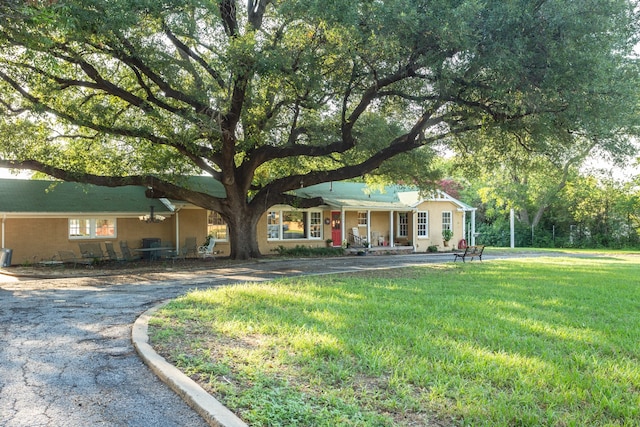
<point>66,355</point>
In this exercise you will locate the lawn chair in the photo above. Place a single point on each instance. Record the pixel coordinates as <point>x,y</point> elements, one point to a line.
<point>207,251</point>
<point>155,255</point>
<point>190,247</point>
<point>171,253</point>
<point>357,239</point>
<point>69,257</point>
<point>91,251</point>
<point>111,252</point>
<point>126,252</point>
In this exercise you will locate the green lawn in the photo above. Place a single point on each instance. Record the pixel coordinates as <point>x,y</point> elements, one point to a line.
<point>539,341</point>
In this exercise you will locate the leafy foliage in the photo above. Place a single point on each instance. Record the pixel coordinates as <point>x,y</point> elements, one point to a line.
<point>263,95</point>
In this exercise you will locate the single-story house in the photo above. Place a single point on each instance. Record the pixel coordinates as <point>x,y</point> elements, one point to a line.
<point>39,219</point>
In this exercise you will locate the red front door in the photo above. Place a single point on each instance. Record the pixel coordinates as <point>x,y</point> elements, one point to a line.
<point>336,228</point>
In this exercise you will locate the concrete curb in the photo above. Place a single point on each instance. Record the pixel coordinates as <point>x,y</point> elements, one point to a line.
<point>213,412</point>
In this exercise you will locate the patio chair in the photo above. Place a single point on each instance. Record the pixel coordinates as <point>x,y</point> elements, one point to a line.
<point>155,255</point>
<point>92,251</point>
<point>355,235</point>
<point>69,257</point>
<point>190,247</point>
<point>207,251</point>
<point>126,252</point>
<point>169,252</point>
<point>111,252</point>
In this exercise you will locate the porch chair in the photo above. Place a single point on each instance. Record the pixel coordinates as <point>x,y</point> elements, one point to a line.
<point>155,255</point>
<point>111,252</point>
<point>206,251</point>
<point>92,251</point>
<point>69,257</point>
<point>126,252</point>
<point>355,235</point>
<point>190,247</point>
<point>170,252</point>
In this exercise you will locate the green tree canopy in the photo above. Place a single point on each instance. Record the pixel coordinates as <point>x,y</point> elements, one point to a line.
<point>267,94</point>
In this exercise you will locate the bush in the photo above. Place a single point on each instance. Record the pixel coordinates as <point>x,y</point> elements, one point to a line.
<point>432,248</point>
<point>300,250</point>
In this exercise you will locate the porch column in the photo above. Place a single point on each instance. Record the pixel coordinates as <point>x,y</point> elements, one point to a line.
<point>4,217</point>
<point>343,218</point>
<point>391,234</point>
<point>369,227</point>
<point>473,227</point>
<point>177,232</point>
<point>464,224</point>
<point>414,229</point>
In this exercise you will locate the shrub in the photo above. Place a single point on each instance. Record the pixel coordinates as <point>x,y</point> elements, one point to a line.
<point>300,250</point>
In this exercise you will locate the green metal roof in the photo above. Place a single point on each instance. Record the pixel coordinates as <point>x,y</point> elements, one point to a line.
<point>349,191</point>
<point>359,195</point>
<point>203,184</point>
<point>51,197</point>
<point>47,197</point>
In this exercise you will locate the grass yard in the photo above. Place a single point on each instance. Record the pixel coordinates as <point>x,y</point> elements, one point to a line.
<point>528,342</point>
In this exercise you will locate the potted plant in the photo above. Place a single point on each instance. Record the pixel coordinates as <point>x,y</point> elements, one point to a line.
<point>329,242</point>
<point>447,234</point>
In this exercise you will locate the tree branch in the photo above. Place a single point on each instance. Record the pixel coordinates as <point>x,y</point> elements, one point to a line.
<point>193,55</point>
<point>256,9</point>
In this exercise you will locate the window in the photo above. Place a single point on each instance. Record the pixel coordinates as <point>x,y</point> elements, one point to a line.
<point>315,225</point>
<point>446,220</point>
<point>216,226</point>
<point>403,224</point>
<point>294,225</point>
<point>92,228</point>
<point>273,225</point>
<point>423,224</point>
<point>362,219</point>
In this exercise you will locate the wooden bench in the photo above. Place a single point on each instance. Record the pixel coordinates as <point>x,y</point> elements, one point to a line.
<point>470,252</point>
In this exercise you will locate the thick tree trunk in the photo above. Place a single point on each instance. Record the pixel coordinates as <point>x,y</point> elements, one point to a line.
<point>243,236</point>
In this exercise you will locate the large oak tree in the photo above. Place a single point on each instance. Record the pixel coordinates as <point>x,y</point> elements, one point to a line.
<point>269,95</point>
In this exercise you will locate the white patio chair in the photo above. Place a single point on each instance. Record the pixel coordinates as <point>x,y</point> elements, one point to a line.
<point>207,251</point>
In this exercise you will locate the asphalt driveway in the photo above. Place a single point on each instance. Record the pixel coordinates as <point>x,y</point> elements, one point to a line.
<point>66,357</point>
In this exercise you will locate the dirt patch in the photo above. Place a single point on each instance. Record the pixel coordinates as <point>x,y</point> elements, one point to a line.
<point>110,268</point>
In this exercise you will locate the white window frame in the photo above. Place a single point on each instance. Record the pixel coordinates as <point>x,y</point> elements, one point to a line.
<point>314,225</point>
<point>447,224</point>
<point>274,225</point>
<point>92,225</point>
<point>313,217</point>
<point>403,224</point>
<point>362,219</point>
<point>422,224</point>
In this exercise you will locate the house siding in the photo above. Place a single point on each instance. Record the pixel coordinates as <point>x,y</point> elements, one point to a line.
<point>435,209</point>
<point>39,236</point>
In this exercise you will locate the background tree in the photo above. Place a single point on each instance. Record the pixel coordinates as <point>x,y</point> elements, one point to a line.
<point>269,95</point>
<point>518,175</point>
<point>604,212</point>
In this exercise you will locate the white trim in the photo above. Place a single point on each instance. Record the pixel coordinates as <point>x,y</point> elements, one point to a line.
<point>450,220</point>
<point>93,228</point>
<point>391,228</point>
<point>168,204</point>
<point>397,234</point>
<point>417,215</point>
<point>66,215</point>
<point>280,209</point>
